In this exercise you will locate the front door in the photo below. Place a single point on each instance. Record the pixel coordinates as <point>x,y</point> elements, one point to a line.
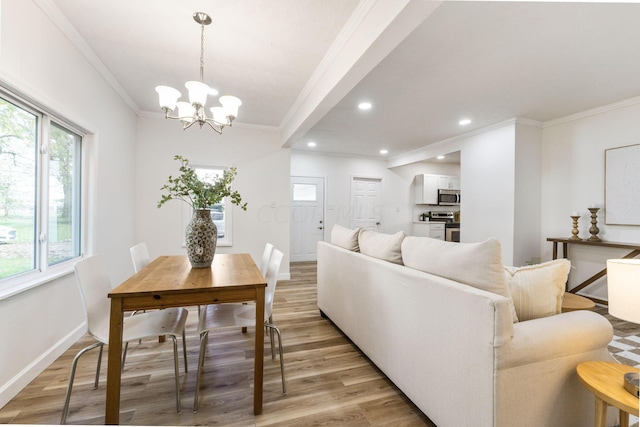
<point>307,217</point>
<point>365,202</point>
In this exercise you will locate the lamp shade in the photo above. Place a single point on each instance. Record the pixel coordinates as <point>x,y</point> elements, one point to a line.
<point>230,105</point>
<point>219,116</point>
<point>623,287</point>
<point>198,92</point>
<point>168,96</point>
<point>185,112</point>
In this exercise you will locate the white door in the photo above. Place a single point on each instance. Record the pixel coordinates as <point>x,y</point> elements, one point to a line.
<point>365,202</point>
<point>307,217</point>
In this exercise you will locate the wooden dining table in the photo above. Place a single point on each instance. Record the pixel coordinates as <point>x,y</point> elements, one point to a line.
<point>169,281</point>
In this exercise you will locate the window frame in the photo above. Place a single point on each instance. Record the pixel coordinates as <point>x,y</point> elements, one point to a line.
<point>187,210</point>
<point>44,272</point>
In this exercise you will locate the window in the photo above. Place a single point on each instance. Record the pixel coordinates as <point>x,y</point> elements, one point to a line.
<point>220,215</point>
<point>39,191</point>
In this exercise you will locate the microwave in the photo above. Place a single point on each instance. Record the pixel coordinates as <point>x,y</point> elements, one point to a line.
<point>448,197</point>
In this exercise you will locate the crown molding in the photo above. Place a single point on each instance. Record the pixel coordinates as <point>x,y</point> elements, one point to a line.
<point>594,111</point>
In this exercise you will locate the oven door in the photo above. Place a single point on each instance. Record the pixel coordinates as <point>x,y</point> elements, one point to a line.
<point>452,234</point>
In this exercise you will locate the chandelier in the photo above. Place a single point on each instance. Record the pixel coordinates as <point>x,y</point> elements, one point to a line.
<point>193,111</point>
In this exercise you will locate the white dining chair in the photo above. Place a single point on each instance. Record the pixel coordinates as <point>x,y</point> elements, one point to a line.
<point>94,283</point>
<point>217,316</point>
<point>139,256</point>
<point>266,255</point>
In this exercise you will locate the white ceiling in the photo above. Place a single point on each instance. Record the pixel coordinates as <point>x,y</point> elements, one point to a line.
<point>488,61</point>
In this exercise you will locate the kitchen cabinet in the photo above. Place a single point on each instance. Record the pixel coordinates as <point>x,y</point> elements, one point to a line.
<point>435,230</point>
<point>448,182</point>
<point>420,229</point>
<point>426,187</point>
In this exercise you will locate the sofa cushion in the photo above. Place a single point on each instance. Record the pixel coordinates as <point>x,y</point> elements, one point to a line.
<point>381,245</point>
<point>345,237</point>
<point>537,290</point>
<point>474,264</point>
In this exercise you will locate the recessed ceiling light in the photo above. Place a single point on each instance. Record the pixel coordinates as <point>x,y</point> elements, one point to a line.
<point>464,122</point>
<point>365,106</point>
<point>311,144</point>
<point>384,151</point>
<point>440,157</point>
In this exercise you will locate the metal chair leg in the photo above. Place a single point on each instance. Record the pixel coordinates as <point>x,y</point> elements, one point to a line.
<point>95,384</point>
<point>74,364</point>
<point>177,372</point>
<point>203,344</point>
<point>124,356</point>
<point>184,351</point>
<point>275,328</point>
<point>273,354</point>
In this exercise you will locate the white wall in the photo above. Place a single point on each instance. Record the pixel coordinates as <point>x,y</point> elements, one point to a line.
<point>36,326</point>
<point>262,180</point>
<point>397,195</point>
<point>573,178</point>
<point>487,176</point>
<point>526,228</point>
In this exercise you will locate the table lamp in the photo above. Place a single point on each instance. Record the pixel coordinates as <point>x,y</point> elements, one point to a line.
<point>623,285</point>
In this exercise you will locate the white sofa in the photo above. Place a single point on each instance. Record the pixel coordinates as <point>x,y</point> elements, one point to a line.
<point>454,349</point>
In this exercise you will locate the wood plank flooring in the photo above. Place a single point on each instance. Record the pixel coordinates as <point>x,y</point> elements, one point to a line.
<point>329,382</point>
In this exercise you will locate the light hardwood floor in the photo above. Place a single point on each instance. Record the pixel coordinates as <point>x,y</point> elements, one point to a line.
<point>329,382</point>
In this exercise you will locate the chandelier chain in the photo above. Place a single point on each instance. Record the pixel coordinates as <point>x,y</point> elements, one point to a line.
<point>202,53</point>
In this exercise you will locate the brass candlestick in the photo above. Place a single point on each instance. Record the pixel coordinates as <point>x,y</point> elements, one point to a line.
<point>594,230</point>
<point>574,230</point>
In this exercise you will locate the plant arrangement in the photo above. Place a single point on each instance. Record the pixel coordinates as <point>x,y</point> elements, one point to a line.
<point>200,193</point>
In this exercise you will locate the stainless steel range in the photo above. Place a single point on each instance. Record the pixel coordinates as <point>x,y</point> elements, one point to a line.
<point>451,227</point>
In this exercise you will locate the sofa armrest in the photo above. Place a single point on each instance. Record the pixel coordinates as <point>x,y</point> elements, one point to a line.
<point>554,337</point>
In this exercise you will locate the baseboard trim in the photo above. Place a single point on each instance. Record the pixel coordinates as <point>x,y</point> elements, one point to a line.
<point>9,390</point>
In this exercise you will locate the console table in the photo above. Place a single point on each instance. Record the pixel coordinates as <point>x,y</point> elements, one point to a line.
<point>634,247</point>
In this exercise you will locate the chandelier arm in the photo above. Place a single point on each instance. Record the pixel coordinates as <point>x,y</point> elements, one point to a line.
<point>215,127</point>
<point>186,126</point>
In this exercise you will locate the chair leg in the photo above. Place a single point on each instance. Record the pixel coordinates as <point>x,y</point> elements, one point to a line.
<point>275,328</point>
<point>95,384</point>
<point>273,353</point>
<point>74,364</point>
<point>177,372</point>
<point>184,351</point>
<point>204,336</point>
<point>124,356</point>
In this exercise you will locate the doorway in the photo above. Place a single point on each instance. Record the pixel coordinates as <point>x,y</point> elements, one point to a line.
<point>366,203</point>
<point>307,217</point>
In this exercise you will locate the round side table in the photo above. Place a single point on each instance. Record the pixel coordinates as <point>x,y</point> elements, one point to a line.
<point>605,381</point>
<point>572,302</point>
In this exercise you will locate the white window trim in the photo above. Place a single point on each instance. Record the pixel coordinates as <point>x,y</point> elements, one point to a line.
<point>19,283</point>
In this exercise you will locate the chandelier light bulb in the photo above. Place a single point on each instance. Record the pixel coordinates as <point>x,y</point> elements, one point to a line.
<point>219,116</point>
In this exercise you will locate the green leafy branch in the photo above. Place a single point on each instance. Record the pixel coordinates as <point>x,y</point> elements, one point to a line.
<point>200,194</point>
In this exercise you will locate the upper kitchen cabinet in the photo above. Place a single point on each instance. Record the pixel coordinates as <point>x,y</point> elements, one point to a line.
<point>448,182</point>
<point>426,187</point>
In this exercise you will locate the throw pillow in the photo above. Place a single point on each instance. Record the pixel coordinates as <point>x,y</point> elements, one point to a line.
<point>474,264</point>
<point>381,245</point>
<point>345,237</point>
<point>537,290</point>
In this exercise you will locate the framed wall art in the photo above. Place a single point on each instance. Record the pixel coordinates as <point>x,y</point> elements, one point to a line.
<point>622,185</point>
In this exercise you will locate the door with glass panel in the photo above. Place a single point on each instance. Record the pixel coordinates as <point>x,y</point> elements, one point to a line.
<point>307,217</point>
